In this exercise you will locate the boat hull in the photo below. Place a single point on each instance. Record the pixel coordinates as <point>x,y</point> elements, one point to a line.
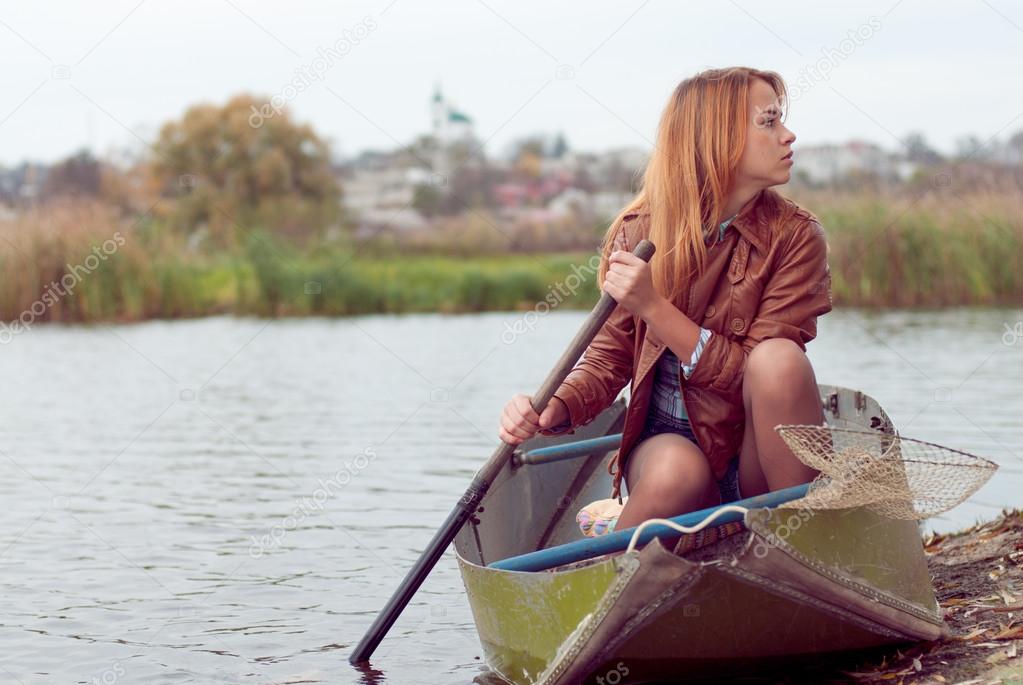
<point>793,584</point>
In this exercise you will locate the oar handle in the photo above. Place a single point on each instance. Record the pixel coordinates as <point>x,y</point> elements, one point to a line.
<point>466,506</point>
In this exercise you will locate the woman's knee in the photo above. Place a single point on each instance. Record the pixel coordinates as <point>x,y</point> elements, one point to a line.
<point>776,359</point>
<point>672,466</point>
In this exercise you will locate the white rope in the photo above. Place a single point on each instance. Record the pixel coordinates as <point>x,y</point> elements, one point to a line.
<point>680,528</point>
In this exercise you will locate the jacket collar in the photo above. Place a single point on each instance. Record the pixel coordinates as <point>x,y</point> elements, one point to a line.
<point>749,224</point>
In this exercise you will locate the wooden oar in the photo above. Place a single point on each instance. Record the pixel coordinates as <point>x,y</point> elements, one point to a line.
<point>469,502</point>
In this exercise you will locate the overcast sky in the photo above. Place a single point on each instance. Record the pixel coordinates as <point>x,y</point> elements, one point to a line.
<point>106,74</point>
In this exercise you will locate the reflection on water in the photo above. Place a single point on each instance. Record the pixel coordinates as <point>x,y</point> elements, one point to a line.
<point>227,500</point>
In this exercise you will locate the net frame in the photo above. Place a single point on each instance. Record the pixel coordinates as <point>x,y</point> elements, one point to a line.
<point>892,475</point>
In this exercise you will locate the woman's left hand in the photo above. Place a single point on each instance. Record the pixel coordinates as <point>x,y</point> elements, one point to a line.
<point>629,281</point>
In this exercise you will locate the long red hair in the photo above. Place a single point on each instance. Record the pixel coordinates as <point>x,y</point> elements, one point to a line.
<point>700,140</point>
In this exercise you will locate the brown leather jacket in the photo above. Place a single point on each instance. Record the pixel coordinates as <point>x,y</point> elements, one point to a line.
<point>760,282</point>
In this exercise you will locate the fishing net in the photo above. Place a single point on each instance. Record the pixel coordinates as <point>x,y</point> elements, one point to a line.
<point>891,475</point>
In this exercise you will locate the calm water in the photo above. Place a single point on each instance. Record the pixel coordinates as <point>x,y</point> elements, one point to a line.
<point>224,500</point>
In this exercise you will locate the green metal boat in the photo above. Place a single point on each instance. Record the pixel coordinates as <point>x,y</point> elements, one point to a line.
<point>776,586</point>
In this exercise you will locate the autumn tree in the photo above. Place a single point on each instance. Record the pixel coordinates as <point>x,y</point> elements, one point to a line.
<point>245,166</point>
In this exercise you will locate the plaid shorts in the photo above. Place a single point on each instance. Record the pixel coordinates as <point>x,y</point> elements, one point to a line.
<point>657,422</point>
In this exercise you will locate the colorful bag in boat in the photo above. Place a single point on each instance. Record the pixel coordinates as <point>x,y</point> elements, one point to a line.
<point>600,517</point>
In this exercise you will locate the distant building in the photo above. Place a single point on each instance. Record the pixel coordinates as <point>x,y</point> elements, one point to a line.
<point>602,205</point>
<point>618,170</point>
<point>1010,152</point>
<point>380,187</point>
<point>401,220</point>
<point>23,185</point>
<point>378,180</point>
<point>571,202</point>
<point>451,126</point>
<point>607,204</point>
<point>828,164</point>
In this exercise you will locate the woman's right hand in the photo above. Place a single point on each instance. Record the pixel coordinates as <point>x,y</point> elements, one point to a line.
<point>519,420</point>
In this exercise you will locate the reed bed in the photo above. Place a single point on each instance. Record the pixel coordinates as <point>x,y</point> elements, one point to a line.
<point>932,250</point>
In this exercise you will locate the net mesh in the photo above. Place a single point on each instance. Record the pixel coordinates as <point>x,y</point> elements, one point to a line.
<point>891,475</point>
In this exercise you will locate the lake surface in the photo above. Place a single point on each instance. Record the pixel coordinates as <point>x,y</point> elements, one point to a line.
<point>233,500</point>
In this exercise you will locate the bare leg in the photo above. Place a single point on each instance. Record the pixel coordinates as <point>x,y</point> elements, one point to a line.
<point>779,387</point>
<point>667,475</point>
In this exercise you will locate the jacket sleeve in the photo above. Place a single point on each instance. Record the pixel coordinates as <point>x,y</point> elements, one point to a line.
<point>605,368</point>
<point>796,293</point>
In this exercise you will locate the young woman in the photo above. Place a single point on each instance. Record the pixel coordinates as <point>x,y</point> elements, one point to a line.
<point>712,332</point>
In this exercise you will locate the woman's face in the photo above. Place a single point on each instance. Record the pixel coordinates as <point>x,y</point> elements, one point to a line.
<point>764,161</point>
